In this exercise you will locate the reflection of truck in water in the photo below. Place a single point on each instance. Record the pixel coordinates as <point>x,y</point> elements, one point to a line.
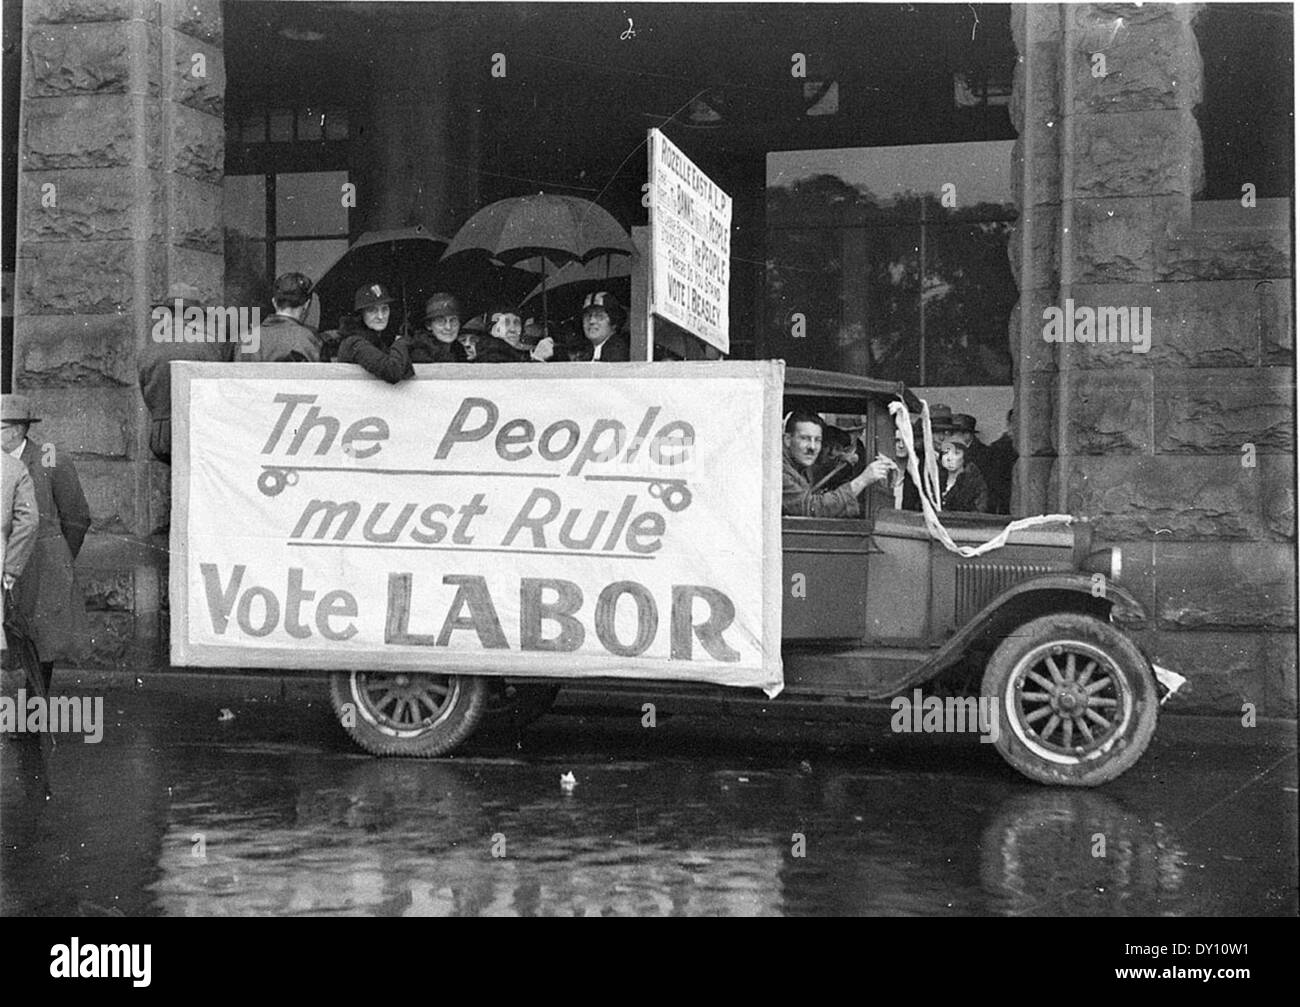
<point>883,608</point>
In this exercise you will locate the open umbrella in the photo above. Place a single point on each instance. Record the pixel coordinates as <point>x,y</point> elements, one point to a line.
<point>533,232</point>
<point>569,284</point>
<point>404,258</point>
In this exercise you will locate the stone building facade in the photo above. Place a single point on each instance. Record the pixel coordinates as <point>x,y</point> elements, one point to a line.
<point>1184,455</point>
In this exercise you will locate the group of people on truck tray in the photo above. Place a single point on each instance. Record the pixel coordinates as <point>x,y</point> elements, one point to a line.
<point>825,469</point>
<point>370,337</point>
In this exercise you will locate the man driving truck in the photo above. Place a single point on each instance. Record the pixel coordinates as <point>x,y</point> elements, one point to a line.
<point>803,445</point>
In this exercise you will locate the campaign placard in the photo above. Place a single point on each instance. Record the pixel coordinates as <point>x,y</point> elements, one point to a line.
<point>690,245</point>
<point>523,519</point>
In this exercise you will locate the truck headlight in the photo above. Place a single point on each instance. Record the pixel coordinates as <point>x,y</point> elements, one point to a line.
<point>1108,561</point>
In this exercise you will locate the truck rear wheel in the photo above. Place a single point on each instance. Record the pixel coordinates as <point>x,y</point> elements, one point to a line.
<point>408,712</point>
<point>1076,700</point>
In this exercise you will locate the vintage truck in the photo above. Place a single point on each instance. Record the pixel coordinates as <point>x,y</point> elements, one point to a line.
<point>875,607</point>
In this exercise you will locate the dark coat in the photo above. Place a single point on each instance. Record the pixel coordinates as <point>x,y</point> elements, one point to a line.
<point>374,352</point>
<point>156,384</point>
<point>426,349</point>
<point>968,492</point>
<point>492,350</point>
<point>280,338</point>
<point>47,592</point>
<point>998,464</point>
<point>617,348</point>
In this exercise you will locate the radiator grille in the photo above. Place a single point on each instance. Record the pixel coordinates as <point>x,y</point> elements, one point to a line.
<point>978,583</point>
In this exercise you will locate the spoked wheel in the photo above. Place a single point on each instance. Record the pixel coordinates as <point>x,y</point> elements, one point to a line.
<point>1076,700</point>
<point>408,713</point>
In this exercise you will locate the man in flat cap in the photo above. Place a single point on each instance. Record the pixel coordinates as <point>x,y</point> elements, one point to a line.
<point>157,355</point>
<point>284,336</point>
<point>47,592</point>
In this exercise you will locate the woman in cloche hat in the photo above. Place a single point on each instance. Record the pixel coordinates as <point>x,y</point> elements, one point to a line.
<point>370,339</point>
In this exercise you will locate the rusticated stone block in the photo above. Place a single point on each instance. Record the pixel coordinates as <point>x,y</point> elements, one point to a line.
<point>1165,498</point>
<point>1223,240</point>
<point>1109,413</point>
<point>89,132</point>
<point>110,491</point>
<point>198,77</point>
<point>1225,585</point>
<point>160,497</point>
<point>84,11</point>
<point>1045,228</point>
<point>198,144</point>
<point>74,277</point>
<point>111,636</point>
<point>1217,411</point>
<point>1041,21</point>
<point>96,204</point>
<point>1113,240</point>
<point>1037,399</point>
<point>1207,324</point>
<point>199,18</point>
<point>81,59</point>
<point>89,421</point>
<point>1035,478</point>
<point>1044,183</point>
<point>203,269</point>
<point>1140,154</point>
<point>1036,89</point>
<point>1225,670</point>
<point>1277,484</point>
<point>1276,322</point>
<point>74,350</point>
<point>1029,351</point>
<point>108,590</point>
<point>195,219</point>
<point>1149,64</point>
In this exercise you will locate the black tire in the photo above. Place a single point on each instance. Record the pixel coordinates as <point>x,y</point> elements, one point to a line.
<point>410,712</point>
<point>511,707</point>
<point>1090,708</point>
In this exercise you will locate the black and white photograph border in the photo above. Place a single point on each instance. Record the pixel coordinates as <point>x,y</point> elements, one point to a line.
<point>966,330</point>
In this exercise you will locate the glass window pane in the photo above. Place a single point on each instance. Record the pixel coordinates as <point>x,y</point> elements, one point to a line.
<point>969,294</point>
<point>803,294</point>
<point>336,124</point>
<point>246,282</point>
<point>245,204</point>
<point>311,258</point>
<point>893,329</point>
<point>252,128</point>
<point>310,203</point>
<point>281,125</point>
<point>310,123</point>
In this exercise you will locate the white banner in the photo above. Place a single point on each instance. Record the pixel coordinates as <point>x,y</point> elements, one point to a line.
<point>526,519</point>
<point>690,245</point>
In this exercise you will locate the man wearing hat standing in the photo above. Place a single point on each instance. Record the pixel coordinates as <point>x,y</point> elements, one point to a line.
<point>283,336</point>
<point>47,592</point>
<point>19,523</point>
<point>156,357</point>
<point>602,319</point>
<point>369,342</point>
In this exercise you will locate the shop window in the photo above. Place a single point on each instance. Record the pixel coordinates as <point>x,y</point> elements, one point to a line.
<point>278,222</point>
<point>892,262</point>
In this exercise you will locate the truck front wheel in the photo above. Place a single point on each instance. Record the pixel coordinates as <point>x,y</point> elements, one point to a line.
<point>1076,701</point>
<point>408,713</point>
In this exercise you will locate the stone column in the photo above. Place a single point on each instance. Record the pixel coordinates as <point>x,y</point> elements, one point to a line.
<point>121,154</point>
<point>1181,452</point>
<point>404,152</point>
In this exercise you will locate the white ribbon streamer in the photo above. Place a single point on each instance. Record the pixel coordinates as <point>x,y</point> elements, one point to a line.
<point>931,502</point>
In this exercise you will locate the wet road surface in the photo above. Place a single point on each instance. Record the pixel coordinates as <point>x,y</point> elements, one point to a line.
<point>792,812</point>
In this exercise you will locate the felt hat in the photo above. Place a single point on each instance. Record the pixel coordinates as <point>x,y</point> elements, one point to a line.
<point>371,295</point>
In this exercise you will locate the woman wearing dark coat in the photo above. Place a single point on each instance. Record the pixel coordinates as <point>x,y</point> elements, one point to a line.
<point>47,592</point>
<point>963,484</point>
<point>370,339</point>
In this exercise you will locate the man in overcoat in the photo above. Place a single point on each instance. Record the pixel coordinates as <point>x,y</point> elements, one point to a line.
<point>47,592</point>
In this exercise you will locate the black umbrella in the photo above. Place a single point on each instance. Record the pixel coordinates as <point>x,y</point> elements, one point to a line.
<point>22,650</point>
<point>403,259</point>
